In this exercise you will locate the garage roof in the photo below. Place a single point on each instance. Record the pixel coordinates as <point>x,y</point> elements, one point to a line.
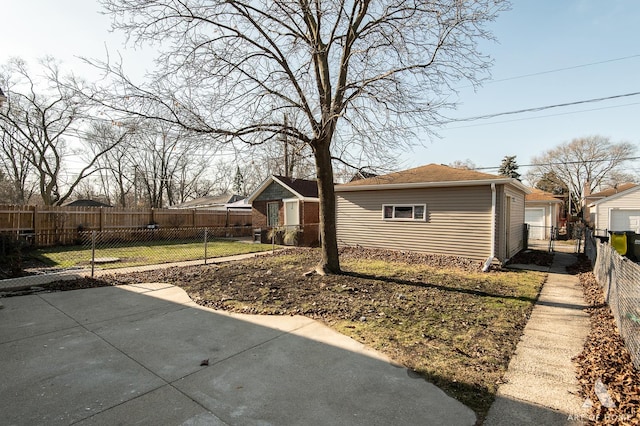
<point>632,189</point>
<point>431,175</point>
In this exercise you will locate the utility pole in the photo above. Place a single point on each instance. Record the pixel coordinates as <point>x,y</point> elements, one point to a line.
<point>286,148</point>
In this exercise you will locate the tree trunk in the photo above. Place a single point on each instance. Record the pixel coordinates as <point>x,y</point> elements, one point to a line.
<point>330,260</point>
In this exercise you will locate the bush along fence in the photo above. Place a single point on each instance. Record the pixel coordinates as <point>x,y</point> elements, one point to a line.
<point>44,226</point>
<point>121,249</point>
<point>619,278</point>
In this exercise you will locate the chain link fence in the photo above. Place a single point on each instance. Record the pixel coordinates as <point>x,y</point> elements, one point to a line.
<point>119,250</point>
<point>619,278</point>
<point>553,238</point>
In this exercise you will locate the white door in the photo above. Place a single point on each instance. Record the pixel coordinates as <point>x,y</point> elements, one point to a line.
<point>535,218</point>
<point>624,220</point>
<point>291,213</point>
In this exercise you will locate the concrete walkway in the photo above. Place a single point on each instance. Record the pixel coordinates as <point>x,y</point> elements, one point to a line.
<point>147,354</point>
<point>540,385</point>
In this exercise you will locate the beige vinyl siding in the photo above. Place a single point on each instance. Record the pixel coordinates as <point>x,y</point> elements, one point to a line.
<point>458,221</point>
<point>602,210</point>
<point>516,225</point>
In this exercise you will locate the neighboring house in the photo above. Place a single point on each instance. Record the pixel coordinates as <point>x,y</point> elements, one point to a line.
<point>361,174</point>
<point>541,213</point>
<point>617,210</point>
<point>240,205</point>
<point>590,199</point>
<point>218,202</point>
<point>286,203</point>
<point>434,209</point>
<point>86,203</point>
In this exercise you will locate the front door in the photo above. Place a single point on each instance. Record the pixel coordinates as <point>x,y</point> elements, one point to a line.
<point>291,213</point>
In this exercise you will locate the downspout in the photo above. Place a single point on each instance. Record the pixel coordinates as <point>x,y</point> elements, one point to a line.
<point>487,263</point>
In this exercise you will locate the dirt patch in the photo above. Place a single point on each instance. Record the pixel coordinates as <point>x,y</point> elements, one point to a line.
<point>532,257</point>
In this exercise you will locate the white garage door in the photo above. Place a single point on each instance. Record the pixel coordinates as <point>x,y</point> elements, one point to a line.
<point>625,220</point>
<point>535,219</point>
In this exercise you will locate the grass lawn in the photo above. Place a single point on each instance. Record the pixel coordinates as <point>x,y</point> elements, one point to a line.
<point>145,253</point>
<point>455,326</point>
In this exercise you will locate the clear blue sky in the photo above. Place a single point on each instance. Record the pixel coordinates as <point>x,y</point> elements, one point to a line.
<point>539,36</point>
<point>534,37</point>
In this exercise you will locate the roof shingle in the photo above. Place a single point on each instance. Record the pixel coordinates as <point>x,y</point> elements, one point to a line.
<point>425,174</point>
<point>540,195</point>
<point>612,191</point>
<point>304,187</point>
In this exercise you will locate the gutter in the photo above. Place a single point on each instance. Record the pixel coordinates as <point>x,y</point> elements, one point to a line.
<point>487,263</point>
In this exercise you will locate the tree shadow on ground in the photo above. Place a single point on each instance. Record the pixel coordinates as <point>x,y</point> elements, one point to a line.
<point>422,284</point>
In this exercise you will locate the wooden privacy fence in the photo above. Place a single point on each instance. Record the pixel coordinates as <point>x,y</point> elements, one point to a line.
<point>48,225</point>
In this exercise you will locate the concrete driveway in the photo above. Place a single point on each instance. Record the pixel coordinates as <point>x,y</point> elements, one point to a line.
<point>133,355</point>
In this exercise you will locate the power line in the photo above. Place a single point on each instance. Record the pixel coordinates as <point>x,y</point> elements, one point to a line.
<point>544,116</point>
<point>558,163</point>
<point>541,108</point>
<point>563,69</point>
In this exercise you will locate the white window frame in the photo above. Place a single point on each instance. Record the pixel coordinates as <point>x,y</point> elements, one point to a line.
<point>405,219</point>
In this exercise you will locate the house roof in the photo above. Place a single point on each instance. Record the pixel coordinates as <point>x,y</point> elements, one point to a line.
<point>538,195</point>
<point>361,174</point>
<point>238,205</point>
<point>302,188</point>
<point>433,175</point>
<point>612,191</point>
<point>208,201</point>
<point>630,187</point>
<point>87,203</point>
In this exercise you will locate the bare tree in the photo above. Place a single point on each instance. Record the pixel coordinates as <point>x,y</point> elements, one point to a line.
<point>587,162</point>
<point>14,165</point>
<point>41,115</point>
<point>354,77</point>
<point>171,165</point>
<point>191,178</point>
<point>116,168</point>
<point>466,164</point>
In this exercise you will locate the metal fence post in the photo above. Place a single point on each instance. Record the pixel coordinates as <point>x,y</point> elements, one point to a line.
<point>93,252</point>
<point>205,245</point>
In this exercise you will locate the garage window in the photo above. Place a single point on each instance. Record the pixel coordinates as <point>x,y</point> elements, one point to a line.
<point>408,212</point>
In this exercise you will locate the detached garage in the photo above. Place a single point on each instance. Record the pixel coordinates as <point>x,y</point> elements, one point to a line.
<point>619,212</point>
<point>535,218</point>
<point>434,209</point>
<point>542,212</point>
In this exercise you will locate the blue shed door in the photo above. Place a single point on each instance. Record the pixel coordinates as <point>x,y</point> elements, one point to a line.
<point>272,214</point>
